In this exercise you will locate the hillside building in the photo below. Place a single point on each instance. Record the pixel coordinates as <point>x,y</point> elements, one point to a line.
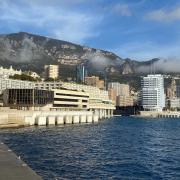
<point>51,71</point>
<point>5,72</point>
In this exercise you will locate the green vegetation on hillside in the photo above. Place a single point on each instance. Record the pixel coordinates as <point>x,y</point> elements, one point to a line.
<point>24,77</point>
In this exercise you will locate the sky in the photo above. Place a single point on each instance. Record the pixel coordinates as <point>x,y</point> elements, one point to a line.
<point>136,29</point>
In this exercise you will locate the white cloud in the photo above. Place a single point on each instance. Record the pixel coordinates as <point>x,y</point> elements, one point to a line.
<point>148,50</point>
<point>165,15</point>
<point>58,20</point>
<point>122,9</point>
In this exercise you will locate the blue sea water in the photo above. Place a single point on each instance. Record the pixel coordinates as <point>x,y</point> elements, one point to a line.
<point>117,148</point>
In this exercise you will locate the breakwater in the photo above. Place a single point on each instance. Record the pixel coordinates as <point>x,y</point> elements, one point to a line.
<point>163,114</point>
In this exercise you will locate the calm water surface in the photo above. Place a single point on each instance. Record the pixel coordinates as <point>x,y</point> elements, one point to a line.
<point>118,148</point>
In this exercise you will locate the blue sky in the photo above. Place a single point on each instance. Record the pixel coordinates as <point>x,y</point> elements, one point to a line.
<point>137,29</point>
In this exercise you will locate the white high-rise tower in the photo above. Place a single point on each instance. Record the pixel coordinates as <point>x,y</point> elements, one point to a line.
<point>152,92</point>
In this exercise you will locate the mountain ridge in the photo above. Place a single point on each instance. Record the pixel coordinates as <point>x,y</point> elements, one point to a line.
<point>31,52</point>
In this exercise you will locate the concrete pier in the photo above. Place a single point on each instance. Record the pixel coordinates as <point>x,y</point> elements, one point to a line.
<point>41,121</point>
<point>20,118</point>
<point>60,120</point>
<point>89,119</point>
<point>75,119</point>
<point>51,120</point>
<point>68,119</point>
<point>95,118</point>
<point>13,168</point>
<point>83,119</point>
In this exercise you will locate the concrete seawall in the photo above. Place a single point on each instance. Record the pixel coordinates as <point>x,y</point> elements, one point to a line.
<point>163,114</point>
<point>16,118</point>
<point>13,168</point>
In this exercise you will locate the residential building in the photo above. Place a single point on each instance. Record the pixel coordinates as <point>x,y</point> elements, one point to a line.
<point>152,92</point>
<point>81,73</point>
<point>112,95</point>
<point>120,89</point>
<point>94,81</point>
<point>51,71</point>
<point>171,90</point>
<point>173,103</point>
<point>5,72</point>
<point>124,101</point>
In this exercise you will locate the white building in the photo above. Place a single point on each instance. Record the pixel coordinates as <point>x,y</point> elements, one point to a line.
<point>51,71</point>
<point>5,72</point>
<point>6,83</point>
<point>152,92</point>
<point>48,85</point>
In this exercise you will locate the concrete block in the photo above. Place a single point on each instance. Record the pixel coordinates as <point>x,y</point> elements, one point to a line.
<point>95,118</point>
<point>75,119</point>
<point>83,119</point>
<point>89,119</point>
<point>29,120</point>
<point>41,120</point>
<point>68,119</point>
<point>51,120</point>
<point>60,120</point>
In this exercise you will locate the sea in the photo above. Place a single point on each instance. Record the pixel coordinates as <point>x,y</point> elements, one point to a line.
<point>115,148</point>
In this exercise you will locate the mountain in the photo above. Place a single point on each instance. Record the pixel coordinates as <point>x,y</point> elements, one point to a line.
<point>31,52</point>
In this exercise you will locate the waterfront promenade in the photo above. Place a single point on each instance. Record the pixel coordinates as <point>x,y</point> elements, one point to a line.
<point>13,168</point>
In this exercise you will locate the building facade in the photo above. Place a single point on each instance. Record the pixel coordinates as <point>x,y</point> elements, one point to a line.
<point>124,101</point>
<point>48,85</point>
<point>81,73</point>
<point>94,81</point>
<point>70,99</point>
<point>98,99</point>
<point>5,72</point>
<point>51,71</point>
<point>6,83</point>
<point>29,99</point>
<point>120,89</point>
<point>152,93</point>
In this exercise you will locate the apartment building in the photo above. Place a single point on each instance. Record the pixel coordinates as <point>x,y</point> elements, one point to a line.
<point>152,92</point>
<point>51,71</point>
<point>94,81</point>
<point>6,72</point>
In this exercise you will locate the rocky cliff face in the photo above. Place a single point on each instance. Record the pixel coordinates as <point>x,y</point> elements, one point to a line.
<point>28,51</point>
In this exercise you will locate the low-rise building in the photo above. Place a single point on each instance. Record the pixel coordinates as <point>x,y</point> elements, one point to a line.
<point>70,99</point>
